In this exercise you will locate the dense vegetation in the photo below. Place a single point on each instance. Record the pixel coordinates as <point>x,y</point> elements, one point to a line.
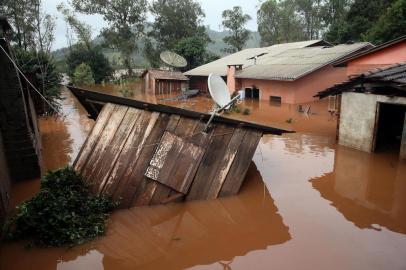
<point>130,40</point>
<point>338,21</point>
<point>100,67</point>
<point>63,213</point>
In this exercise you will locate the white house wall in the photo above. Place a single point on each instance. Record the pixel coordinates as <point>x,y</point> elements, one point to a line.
<point>357,118</point>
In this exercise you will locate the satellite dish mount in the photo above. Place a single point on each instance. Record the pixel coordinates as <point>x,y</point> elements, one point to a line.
<point>220,94</point>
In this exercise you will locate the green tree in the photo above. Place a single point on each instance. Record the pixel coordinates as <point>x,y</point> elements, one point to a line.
<point>279,21</point>
<point>126,19</point>
<point>82,75</point>
<point>151,52</point>
<point>94,58</point>
<point>193,49</point>
<point>312,14</point>
<point>34,35</point>
<point>82,30</point>
<point>234,21</point>
<point>19,14</point>
<point>175,20</point>
<point>390,25</point>
<point>361,16</point>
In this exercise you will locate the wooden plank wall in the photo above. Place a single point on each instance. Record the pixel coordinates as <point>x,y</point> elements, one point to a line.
<point>17,123</point>
<point>120,151</point>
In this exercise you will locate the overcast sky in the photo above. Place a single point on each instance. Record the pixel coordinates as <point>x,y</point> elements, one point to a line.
<point>212,8</point>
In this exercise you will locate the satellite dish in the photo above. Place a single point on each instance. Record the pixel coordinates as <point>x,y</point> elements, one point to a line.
<point>173,59</point>
<point>218,90</point>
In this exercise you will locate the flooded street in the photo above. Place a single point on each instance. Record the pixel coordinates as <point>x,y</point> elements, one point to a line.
<point>307,203</point>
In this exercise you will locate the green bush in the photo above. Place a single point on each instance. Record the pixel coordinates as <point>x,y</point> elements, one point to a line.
<point>63,213</point>
<point>83,75</point>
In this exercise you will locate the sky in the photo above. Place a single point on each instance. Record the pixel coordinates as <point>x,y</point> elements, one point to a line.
<point>212,9</point>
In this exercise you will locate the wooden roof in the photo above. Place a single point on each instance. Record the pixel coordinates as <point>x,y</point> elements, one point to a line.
<point>93,102</point>
<point>143,154</point>
<point>166,75</point>
<point>141,157</point>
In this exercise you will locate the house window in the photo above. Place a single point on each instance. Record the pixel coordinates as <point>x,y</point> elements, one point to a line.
<point>275,99</point>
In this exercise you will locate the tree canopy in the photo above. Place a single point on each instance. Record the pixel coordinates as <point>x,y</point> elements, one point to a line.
<point>126,20</point>
<point>337,21</point>
<point>175,20</point>
<point>234,21</point>
<point>177,26</point>
<point>391,24</point>
<point>94,58</point>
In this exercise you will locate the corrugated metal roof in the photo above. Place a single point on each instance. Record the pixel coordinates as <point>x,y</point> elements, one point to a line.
<point>394,75</point>
<point>219,66</point>
<point>295,63</point>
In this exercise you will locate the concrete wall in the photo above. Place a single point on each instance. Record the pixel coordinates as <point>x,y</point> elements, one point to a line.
<point>301,90</point>
<point>357,119</point>
<point>384,57</point>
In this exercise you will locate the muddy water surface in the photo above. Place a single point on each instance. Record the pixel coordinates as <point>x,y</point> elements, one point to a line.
<point>306,204</point>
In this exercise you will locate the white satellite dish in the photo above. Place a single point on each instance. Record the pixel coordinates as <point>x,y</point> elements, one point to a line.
<point>218,90</point>
<point>173,59</point>
<point>221,96</point>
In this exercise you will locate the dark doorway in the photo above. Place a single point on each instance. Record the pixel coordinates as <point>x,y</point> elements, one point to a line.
<point>252,93</point>
<point>390,124</point>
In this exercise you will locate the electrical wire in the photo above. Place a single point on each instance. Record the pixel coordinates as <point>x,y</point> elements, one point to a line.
<point>28,81</point>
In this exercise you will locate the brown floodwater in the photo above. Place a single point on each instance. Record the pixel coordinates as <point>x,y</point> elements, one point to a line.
<point>307,203</point>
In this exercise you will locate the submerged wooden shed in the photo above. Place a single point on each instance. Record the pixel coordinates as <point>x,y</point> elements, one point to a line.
<point>158,81</point>
<point>143,154</point>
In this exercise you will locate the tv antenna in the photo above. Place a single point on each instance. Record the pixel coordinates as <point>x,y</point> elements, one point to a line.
<point>173,59</point>
<point>220,94</point>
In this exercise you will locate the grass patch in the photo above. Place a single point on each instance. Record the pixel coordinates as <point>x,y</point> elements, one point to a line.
<point>63,213</point>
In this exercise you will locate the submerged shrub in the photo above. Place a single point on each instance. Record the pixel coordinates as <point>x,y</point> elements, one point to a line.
<point>82,75</point>
<point>246,111</point>
<point>63,213</point>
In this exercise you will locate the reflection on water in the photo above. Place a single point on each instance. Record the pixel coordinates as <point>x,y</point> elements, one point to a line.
<point>306,204</point>
<point>369,190</point>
